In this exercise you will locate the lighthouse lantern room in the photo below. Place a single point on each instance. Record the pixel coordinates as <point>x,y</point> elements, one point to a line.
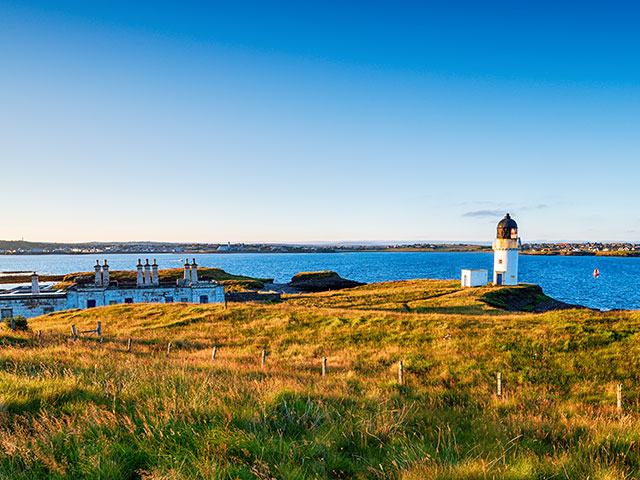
<point>505,253</point>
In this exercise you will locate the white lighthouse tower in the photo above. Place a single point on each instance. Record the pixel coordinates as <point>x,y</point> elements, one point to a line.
<point>505,253</point>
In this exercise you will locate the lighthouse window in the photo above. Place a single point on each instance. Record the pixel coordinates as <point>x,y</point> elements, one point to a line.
<point>500,261</point>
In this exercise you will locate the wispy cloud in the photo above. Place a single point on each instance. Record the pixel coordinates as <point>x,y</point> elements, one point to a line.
<point>541,206</point>
<point>500,212</point>
<point>484,213</point>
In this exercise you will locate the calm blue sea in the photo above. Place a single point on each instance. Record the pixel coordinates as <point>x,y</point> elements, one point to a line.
<point>566,278</point>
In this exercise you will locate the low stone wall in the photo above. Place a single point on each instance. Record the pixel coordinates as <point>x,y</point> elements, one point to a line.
<point>253,296</point>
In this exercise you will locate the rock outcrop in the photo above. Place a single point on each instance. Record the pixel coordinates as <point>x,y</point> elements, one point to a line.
<point>320,282</point>
<point>524,298</point>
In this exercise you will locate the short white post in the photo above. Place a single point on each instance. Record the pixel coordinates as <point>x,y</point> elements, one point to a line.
<point>400,373</point>
<point>74,332</point>
<point>213,353</point>
<point>129,345</point>
<point>324,367</point>
<point>499,385</point>
<point>264,356</point>
<point>619,397</point>
<point>168,349</point>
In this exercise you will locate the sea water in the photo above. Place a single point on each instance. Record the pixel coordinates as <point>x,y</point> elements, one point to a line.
<point>568,279</point>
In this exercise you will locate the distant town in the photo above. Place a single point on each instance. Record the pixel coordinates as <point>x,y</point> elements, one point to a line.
<point>19,247</point>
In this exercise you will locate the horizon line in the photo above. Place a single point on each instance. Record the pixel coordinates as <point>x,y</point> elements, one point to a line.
<point>315,243</point>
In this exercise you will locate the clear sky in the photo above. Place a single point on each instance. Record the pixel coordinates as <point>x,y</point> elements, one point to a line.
<point>312,121</point>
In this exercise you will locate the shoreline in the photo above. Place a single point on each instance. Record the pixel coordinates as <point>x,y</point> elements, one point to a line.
<point>559,253</point>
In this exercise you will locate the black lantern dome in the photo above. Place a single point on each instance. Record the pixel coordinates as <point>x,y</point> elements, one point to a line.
<point>507,228</point>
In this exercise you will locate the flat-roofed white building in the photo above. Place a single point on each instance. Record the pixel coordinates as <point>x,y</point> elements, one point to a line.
<point>474,277</point>
<point>100,290</point>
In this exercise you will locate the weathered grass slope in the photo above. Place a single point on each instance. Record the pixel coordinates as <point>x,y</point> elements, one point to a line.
<point>231,282</point>
<point>86,411</point>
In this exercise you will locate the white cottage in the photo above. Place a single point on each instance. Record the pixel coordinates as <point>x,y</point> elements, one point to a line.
<point>31,301</point>
<point>101,291</point>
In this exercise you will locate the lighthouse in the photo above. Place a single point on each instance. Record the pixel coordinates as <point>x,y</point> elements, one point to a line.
<point>505,253</point>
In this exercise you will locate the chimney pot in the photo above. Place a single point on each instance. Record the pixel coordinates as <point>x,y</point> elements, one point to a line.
<point>105,274</point>
<point>98,278</point>
<point>154,273</point>
<point>140,278</point>
<point>194,271</point>
<point>187,271</point>
<point>35,285</point>
<point>147,273</point>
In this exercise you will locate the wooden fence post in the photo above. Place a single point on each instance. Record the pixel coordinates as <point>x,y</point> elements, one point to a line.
<point>619,397</point>
<point>101,340</point>
<point>225,303</point>
<point>99,329</point>
<point>499,385</point>
<point>73,331</point>
<point>39,335</point>
<point>324,367</point>
<point>400,373</point>
<point>168,349</point>
<point>129,345</point>
<point>213,353</point>
<point>264,356</point>
<point>13,324</point>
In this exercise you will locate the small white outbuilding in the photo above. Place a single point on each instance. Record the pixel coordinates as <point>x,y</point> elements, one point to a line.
<point>474,277</point>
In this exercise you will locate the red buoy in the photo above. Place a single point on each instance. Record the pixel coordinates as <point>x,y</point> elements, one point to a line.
<point>596,273</point>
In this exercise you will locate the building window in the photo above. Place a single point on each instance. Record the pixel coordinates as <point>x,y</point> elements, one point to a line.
<point>91,303</point>
<point>500,261</point>
<point>128,300</point>
<point>168,299</point>
<point>204,299</point>
<point>46,310</point>
<point>6,313</point>
<point>184,299</point>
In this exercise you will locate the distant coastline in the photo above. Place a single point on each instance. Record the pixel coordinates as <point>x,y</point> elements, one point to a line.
<point>150,248</point>
<point>565,253</point>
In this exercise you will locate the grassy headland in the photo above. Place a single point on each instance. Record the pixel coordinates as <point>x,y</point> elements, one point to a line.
<point>85,410</point>
<point>230,281</point>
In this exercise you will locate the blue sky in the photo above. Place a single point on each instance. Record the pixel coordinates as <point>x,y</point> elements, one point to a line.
<point>318,121</point>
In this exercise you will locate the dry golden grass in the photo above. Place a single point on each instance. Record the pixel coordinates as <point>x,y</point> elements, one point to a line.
<point>89,410</point>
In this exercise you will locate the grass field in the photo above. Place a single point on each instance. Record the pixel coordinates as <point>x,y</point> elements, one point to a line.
<point>91,410</point>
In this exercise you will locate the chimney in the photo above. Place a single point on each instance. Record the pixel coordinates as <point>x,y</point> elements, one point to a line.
<point>98,281</point>
<point>194,271</point>
<point>147,273</point>
<point>187,271</point>
<point>140,278</point>
<point>105,274</point>
<point>154,273</point>
<point>35,286</point>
